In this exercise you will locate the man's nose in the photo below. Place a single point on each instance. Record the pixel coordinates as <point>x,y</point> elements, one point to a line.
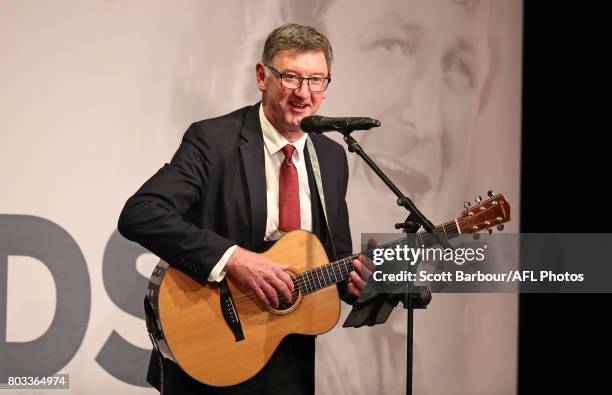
<point>424,107</point>
<point>303,90</point>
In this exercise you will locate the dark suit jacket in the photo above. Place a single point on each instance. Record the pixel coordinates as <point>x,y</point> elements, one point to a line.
<point>212,195</point>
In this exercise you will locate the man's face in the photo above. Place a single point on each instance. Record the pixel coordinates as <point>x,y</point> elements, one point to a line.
<point>418,66</point>
<point>285,107</point>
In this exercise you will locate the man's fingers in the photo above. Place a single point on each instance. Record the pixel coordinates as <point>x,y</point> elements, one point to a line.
<point>282,288</point>
<point>271,294</point>
<point>352,289</point>
<point>261,295</point>
<point>364,266</point>
<point>286,279</point>
<point>367,262</point>
<point>366,271</point>
<point>261,275</point>
<point>372,243</point>
<point>282,281</point>
<point>356,279</point>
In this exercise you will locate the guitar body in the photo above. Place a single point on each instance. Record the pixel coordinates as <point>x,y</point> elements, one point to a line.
<point>196,336</point>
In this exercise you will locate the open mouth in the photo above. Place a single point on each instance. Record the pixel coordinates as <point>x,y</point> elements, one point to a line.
<point>410,181</point>
<point>298,107</point>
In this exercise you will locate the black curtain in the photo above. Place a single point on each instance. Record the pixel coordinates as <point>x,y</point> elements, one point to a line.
<point>564,344</point>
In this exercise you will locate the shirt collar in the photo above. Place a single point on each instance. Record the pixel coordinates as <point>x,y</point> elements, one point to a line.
<point>273,140</point>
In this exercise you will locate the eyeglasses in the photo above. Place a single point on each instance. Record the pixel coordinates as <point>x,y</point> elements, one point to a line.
<point>292,81</point>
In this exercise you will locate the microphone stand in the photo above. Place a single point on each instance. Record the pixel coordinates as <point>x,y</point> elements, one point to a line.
<point>375,310</point>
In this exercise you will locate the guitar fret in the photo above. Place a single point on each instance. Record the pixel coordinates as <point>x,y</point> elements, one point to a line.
<point>318,279</point>
<point>346,268</point>
<point>323,275</point>
<point>334,272</point>
<point>341,269</point>
<point>313,282</point>
<point>310,281</point>
<point>328,275</point>
<point>325,284</point>
<point>302,282</point>
<point>319,273</point>
<point>306,287</point>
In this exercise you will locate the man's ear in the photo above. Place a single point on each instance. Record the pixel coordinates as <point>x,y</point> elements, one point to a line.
<point>260,74</point>
<point>324,93</point>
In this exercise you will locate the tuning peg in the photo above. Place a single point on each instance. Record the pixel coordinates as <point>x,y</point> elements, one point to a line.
<point>476,236</point>
<point>466,205</point>
<point>500,227</point>
<point>490,193</point>
<point>478,199</point>
<point>490,231</point>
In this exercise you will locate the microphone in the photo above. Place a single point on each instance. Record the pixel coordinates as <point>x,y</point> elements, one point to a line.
<point>318,124</point>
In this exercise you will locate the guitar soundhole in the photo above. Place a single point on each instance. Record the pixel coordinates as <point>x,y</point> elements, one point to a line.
<point>283,305</point>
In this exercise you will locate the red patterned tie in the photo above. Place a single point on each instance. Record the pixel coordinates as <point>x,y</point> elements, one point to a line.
<point>289,193</point>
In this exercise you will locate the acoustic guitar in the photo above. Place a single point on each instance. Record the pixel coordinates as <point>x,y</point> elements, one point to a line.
<point>223,348</point>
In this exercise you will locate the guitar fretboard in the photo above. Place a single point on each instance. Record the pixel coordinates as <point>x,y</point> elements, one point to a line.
<point>337,271</point>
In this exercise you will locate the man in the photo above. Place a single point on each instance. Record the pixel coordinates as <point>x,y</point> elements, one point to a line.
<point>238,182</point>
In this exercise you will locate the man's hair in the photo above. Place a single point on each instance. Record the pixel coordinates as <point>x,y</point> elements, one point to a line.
<point>298,39</point>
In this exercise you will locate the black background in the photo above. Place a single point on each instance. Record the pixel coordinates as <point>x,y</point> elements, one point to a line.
<point>564,339</point>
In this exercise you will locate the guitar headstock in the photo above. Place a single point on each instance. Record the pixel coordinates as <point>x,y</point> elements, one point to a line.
<point>493,212</point>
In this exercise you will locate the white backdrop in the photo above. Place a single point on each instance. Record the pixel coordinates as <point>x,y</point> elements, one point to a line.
<point>95,96</point>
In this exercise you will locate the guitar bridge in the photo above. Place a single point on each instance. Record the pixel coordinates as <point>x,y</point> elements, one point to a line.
<point>228,309</point>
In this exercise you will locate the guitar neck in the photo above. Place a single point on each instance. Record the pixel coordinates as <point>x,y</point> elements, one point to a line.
<point>337,271</point>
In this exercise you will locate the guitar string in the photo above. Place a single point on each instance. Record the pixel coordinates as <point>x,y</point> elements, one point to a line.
<point>302,282</point>
<point>305,282</point>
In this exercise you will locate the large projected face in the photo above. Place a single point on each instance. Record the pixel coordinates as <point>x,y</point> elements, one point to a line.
<point>420,66</point>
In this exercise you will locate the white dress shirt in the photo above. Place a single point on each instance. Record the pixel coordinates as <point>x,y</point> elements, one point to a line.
<point>273,157</point>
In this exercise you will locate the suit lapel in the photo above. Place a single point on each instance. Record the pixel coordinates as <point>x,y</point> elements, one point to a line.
<point>252,152</point>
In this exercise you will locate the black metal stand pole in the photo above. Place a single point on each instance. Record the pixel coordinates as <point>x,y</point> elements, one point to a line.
<point>409,345</point>
<point>411,225</point>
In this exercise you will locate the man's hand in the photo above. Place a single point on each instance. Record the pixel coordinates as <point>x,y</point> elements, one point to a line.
<point>363,269</point>
<point>259,274</point>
